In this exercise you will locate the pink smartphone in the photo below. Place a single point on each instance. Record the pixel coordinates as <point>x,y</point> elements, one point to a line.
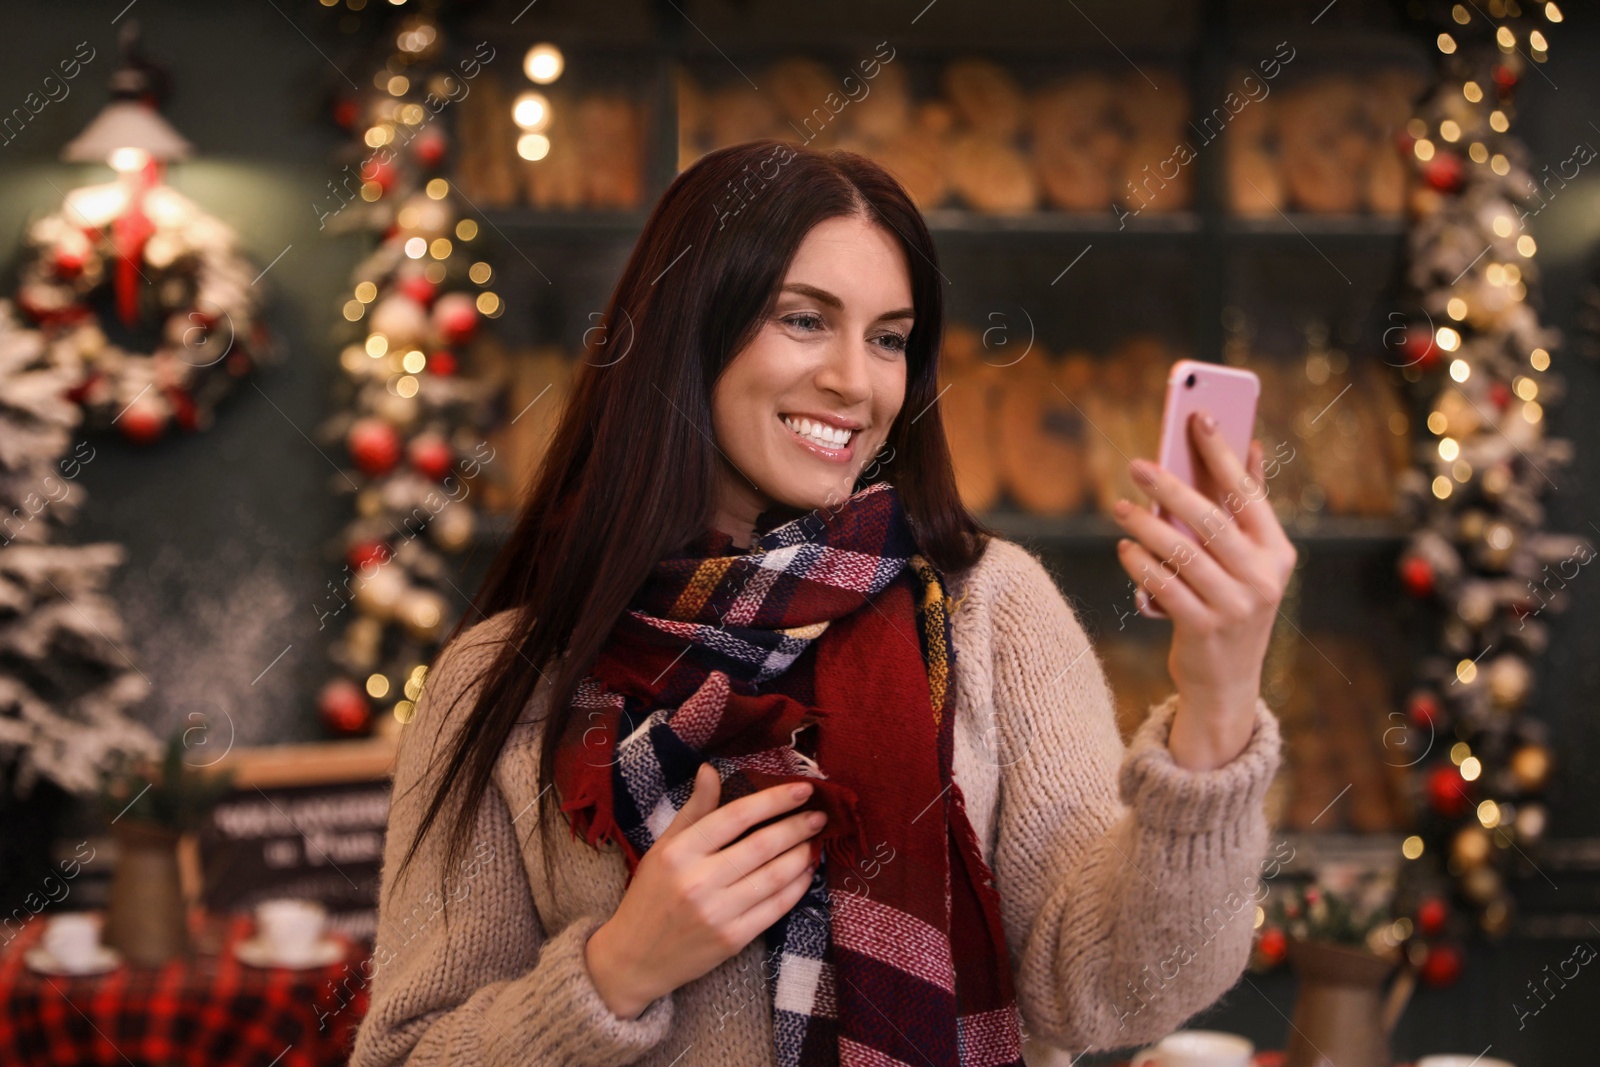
<point>1229,395</point>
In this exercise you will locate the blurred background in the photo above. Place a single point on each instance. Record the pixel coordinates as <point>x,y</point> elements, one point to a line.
<point>294,291</point>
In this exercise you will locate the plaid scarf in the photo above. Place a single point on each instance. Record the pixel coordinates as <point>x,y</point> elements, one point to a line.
<point>823,654</point>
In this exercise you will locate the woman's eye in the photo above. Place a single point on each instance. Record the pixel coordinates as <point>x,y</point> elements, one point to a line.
<point>797,320</point>
<point>897,341</point>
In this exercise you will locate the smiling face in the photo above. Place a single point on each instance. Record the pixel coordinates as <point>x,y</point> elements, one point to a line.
<point>802,409</point>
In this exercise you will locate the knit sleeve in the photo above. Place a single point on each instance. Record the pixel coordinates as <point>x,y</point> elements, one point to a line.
<point>1128,883</point>
<point>463,970</point>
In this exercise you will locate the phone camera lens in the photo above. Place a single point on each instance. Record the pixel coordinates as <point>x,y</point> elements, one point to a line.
<point>1189,382</point>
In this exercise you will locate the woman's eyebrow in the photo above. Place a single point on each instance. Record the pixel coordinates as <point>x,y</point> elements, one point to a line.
<point>823,296</point>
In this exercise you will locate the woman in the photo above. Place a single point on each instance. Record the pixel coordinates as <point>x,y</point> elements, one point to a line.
<point>743,567</point>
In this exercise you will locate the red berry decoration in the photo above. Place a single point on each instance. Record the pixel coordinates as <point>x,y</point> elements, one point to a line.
<point>343,709</point>
<point>1445,172</point>
<point>1416,574</point>
<point>374,445</point>
<point>1505,79</point>
<point>431,456</point>
<point>363,554</point>
<point>442,363</point>
<point>1442,967</point>
<point>1431,916</point>
<point>1448,791</point>
<point>1499,395</point>
<point>419,289</point>
<point>456,318</point>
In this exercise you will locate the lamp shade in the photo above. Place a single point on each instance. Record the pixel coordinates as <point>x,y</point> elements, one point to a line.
<point>126,124</point>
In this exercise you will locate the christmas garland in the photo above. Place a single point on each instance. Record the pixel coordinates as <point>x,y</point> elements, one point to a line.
<point>167,271</point>
<point>409,419</point>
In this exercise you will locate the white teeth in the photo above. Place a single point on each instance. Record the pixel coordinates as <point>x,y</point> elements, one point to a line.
<point>827,436</point>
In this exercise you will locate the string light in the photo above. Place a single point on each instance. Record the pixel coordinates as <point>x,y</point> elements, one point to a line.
<point>1526,245</point>
<point>1459,370</point>
<point>1437,423</point>
<point>1539,359</point>
<point>377,345</point>
<point>1449,449</point>
<point>533,146</point>
<point>438,189</point>
<point>531,111</point>
<point>1472,91</point>
<point>1498,121</point>
<point>466,229</point>
<point>1424,149</point>
<point>1500,164</point>
<point>1447,339</point>
<point>1460,14</point>
<point>366,292</point>
<point>1552,12</point>
<point>1442,487</point>
<point>1456,308</point>
<point>1447,44</point>
<point>1411,847</point>
<point>416,247</point>
<point>543,63</point>
<point>1478,153</point>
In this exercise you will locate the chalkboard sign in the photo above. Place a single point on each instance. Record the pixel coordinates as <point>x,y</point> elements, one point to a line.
<point>302,821</point>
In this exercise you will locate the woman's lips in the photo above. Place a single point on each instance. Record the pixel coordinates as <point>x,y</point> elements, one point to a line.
<point>831,455</point>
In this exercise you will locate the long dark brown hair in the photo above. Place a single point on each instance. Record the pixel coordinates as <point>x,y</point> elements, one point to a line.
<point>631,470</point>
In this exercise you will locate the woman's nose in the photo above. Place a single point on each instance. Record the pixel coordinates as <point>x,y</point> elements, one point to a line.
<point>845,372</point>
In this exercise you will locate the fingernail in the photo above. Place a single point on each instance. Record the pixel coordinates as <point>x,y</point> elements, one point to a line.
<point>1207,423</point>
<point>1144,472</point>
<point>1121,509</point>
<point>1123,544</point>
<point>802,790</point>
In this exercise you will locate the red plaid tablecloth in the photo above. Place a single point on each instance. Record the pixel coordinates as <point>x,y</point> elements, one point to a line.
<point>209,1010</point>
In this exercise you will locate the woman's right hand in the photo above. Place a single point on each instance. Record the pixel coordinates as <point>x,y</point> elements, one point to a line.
<point>699,895</point>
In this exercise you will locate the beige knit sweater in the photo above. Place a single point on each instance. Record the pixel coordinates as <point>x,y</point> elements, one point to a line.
<point>1126,881</point>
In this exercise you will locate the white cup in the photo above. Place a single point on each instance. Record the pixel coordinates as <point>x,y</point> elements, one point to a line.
<point>1197,1048</point>
<point>1455,1060</point>
<point>73,939</point>
<point>292,928</point>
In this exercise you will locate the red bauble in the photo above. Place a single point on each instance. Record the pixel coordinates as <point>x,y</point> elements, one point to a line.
<point>1448,791</point>
<point>1423,709</point>
<point>346,110</point>
<point>456,318</point>
<point>363,553</point>
<point>431,147</point>
<point>343,709</point>
<point>380,171</point>
<point>1505,79</point>
<point>1445,172</point>
<point>144,420</point>
<point>419,289</point>
<point>431,456</point>
<point>1499,394</point>
<point>1442,967</point>
<point>1416,574</point>
<point>69,263</point>
<point>1273,945</point>
<point>374,445</point>
<point>184,412</point>
<point>442,363</point>
<point>1419,347</point>
<point>1431,916</point>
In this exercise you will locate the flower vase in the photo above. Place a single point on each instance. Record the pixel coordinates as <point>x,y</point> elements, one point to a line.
<point>147,920</point>
<point>1340,1013</point>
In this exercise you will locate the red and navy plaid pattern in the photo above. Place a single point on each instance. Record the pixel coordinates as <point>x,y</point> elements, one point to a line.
<point>210,1010</point>
<point>825,654</point>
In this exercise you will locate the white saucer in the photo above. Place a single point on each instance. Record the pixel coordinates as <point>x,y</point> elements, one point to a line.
<point>105,959</point>
<point>259,953</point>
